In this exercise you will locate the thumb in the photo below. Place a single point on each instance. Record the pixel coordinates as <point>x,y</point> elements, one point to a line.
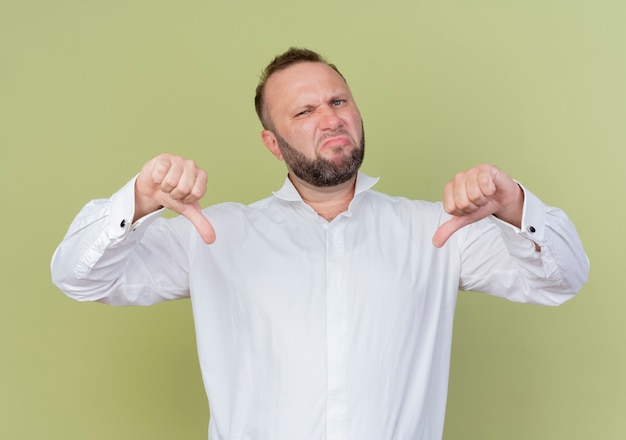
<point>447,229</point>
<point>194,214</point>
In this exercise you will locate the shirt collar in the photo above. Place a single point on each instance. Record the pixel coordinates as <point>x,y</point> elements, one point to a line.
<point>289,193</point>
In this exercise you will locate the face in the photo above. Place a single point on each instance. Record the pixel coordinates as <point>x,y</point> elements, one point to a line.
<point>321,171</point>
<point>317,127</point>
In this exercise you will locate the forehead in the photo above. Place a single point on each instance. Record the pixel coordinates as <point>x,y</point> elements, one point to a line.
<point>305,81</point>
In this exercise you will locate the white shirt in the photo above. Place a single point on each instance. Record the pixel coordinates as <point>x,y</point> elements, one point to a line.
<point>309,329</point>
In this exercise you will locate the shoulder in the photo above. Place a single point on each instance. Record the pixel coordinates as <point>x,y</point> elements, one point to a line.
<point>403,215</point>
<point>401,205</point>
<point>231,214</point>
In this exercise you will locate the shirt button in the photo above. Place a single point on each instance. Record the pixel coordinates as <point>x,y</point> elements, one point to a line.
<point>123,223</point>
<point>531,229</point>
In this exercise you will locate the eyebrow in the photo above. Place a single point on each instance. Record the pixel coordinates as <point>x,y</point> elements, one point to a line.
<point>333,98</point>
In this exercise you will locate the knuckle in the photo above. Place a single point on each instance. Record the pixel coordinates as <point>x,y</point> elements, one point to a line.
<point>169,182</point>
<point>474,194</point>
<point>196,192</point>
<point>449,206</point>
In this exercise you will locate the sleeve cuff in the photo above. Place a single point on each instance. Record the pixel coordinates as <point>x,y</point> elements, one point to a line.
<point>533,220</point>
<point>122,212</point>
<point>533,217</point>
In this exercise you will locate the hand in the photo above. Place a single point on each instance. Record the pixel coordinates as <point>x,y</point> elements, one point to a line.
<point>478,193</point>
<point>177,184</point>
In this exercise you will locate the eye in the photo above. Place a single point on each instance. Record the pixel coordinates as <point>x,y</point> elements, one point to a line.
<point>338,102</point>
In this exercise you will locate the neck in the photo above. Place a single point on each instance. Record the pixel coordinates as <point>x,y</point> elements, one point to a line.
<point>328,202</point>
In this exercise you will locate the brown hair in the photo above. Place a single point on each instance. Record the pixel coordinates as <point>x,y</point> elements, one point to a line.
<point>292,56</point>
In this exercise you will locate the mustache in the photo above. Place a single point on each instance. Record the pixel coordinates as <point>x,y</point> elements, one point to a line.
<point>338,132</point>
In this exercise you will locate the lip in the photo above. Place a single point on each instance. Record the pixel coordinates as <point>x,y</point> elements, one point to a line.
<point>336,141</point>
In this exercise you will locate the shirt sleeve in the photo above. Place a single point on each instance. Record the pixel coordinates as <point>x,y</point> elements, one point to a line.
<point>105,257</point>
<point>543,262</point>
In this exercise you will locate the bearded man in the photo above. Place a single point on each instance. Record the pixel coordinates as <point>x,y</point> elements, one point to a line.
<point>325,310</point>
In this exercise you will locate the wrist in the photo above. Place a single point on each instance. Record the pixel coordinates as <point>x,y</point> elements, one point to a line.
<point>512,213</point>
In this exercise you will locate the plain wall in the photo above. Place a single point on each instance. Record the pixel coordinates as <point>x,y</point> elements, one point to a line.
<point>90,90</point>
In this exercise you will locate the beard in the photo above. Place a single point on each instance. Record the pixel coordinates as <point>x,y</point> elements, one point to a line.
<point>322,172</point>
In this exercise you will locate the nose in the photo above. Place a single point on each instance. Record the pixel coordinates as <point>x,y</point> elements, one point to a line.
<point>330,118</point>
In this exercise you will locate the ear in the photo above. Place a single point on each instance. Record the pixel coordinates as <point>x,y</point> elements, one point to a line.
<point>271,143</point>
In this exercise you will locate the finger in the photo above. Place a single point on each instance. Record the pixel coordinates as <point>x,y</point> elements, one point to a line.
<point>469,191</point>
<point>191,185</point>
<point>486,182</point>
<point>456,200</point>
<point>159,167</point>
<point>450,227</point>
<point>447,229</point>
<point>197,191</point>
<point>194,214</point>
<point>173,176</point>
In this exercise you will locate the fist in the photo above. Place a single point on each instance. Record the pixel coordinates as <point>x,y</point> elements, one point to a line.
<point>477,193</point>
<point>177,184</point>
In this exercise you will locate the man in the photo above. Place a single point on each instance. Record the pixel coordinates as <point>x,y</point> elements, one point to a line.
<point>324,311</point>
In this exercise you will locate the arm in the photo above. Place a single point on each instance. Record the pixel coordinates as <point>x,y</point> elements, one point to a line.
<point>476,194</point>
<point>543,262</point>
<point>523,250</point>
<point>120,252</point>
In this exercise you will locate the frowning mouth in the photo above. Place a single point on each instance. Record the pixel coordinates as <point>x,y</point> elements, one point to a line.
<point>335,141</point>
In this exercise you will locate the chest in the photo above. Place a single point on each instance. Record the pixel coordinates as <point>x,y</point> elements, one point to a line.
<point>284,272</point>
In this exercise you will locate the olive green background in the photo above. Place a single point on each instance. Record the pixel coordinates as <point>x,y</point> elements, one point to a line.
<point>90,90</point>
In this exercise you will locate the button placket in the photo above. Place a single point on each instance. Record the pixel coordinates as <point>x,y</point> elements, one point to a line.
<point>337,333</point>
